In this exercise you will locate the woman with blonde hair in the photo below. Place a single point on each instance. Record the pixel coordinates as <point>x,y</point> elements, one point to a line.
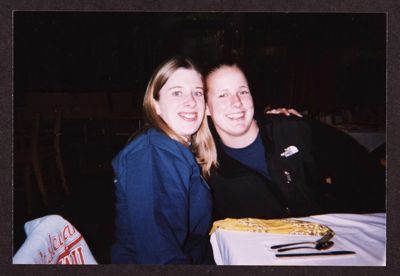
<point>278,166</point>
<point>164,205</point>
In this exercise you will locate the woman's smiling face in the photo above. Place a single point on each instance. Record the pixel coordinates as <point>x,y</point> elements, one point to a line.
<point>229,102</point>
<point>181,102</point>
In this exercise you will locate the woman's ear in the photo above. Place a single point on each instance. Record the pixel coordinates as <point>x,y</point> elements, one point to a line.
<point>157,106</point>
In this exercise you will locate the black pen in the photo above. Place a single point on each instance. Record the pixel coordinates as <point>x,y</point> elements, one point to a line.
<point>331,253</point>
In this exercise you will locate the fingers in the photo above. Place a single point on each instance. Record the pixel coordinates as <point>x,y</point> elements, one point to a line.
<point>295,112</point>
<point>273,111</point>
<point>284,111</point>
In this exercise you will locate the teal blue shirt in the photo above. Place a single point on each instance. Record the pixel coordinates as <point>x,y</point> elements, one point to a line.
<point>252,156</point>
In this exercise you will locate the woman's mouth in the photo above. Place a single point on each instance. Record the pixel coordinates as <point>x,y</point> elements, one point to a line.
<point>236,116</point>
<point>188,116</point>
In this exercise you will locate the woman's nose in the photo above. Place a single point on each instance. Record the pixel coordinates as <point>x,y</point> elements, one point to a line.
<point>190,100</point>
<point>236,101</point>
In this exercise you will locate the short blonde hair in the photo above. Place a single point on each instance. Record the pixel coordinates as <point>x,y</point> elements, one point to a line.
<point>203,146</point>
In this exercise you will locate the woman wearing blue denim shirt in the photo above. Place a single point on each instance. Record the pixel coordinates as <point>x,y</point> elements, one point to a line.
<point>164,206</point>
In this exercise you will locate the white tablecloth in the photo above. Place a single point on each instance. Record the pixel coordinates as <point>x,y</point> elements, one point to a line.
<point>369,139</point>
<point>364,234</point>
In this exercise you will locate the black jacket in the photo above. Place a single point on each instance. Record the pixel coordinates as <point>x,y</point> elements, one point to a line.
<point>330,173</point>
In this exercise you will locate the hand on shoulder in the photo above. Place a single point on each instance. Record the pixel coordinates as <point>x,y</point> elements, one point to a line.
<point>283,111</point>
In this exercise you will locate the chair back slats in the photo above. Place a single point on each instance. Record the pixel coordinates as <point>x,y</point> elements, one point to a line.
<point>44,150</point>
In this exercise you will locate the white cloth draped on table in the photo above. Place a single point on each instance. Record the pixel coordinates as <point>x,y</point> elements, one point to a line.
<point>363,234</point>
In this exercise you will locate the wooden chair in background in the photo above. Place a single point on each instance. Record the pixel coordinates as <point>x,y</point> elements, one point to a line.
<point>24,135</point>
<point>37,149</point>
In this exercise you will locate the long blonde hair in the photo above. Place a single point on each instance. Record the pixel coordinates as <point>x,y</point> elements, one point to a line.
<point>203,146</point>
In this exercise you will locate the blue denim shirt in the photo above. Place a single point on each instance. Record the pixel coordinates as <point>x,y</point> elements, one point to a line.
<point>164,207</point>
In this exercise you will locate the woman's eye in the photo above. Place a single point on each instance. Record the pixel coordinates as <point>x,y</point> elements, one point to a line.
<point>177,93</point>
<point>198,93</point>
<point>244,92</point>
<point>223,95</point>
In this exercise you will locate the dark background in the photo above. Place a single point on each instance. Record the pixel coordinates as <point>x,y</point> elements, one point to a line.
<point>319,62</point>
<point>322,63</point>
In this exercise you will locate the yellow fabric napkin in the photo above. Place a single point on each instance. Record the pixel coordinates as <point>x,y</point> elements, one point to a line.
<point>274,226</point>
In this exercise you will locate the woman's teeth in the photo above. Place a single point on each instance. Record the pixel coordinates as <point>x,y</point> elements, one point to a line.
<point>236,116</point>
<point>188,116</point>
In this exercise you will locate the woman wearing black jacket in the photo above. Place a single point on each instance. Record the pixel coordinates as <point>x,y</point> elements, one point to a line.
<point>278,166</point>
